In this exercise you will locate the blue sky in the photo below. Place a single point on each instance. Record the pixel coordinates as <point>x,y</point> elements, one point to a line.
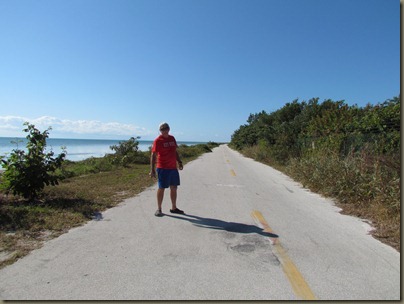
<point>113,69</point>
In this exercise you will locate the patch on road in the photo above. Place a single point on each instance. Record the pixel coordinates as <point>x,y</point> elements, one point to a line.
<point>252,248</point>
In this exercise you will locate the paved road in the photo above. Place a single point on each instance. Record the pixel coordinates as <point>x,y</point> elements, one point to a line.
<point>250,233</point>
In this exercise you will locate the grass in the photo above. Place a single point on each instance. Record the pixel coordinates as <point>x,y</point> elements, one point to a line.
<point>91,186</point>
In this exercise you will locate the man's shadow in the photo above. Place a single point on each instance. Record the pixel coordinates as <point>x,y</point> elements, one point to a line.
<point>216,224</point>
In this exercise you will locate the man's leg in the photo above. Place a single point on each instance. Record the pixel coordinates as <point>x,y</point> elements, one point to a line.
<point>173,196</point>
<point>160,196</point>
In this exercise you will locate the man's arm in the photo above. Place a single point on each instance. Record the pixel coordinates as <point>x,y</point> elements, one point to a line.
<point>180,166</point>
<point>153,164</point>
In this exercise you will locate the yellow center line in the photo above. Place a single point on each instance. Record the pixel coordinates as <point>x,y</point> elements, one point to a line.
<point>232,172</point>
<point>296,280</point>
<point>258,215</point>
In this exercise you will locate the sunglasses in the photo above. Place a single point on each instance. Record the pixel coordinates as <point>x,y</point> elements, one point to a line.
<point>164,129</point>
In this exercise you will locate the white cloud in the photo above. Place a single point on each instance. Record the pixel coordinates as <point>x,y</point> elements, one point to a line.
<point>10,125</point>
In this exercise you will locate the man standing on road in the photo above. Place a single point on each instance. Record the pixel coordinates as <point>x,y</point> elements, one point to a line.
<point>164,152</point>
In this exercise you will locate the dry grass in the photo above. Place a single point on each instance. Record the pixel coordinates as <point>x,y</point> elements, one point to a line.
<point>387,226</point>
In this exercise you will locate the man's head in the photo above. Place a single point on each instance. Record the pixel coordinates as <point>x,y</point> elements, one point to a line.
<point>164,128</point>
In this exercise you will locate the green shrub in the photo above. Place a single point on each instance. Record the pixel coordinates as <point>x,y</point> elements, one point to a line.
<point>27,173</point>
<point>127,152</point>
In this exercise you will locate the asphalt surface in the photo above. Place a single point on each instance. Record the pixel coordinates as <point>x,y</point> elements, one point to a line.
<point>249,233</point>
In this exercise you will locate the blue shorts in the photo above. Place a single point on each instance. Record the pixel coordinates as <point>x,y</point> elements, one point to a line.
<point>168,177</point>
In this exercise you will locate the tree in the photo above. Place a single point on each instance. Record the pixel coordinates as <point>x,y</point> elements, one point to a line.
<point>332,126</point>
<point>27,173</point>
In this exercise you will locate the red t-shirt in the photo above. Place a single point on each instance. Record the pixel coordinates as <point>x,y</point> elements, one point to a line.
<point>166,149</point>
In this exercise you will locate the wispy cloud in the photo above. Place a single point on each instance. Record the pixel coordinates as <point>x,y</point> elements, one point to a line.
<point>13,125</point>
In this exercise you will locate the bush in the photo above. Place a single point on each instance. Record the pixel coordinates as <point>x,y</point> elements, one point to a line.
<point>127,152</point>
<point>27,174</point>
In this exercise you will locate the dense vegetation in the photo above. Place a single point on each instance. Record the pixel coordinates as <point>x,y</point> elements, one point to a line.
<point>84,189</point>
<point>346,152</point>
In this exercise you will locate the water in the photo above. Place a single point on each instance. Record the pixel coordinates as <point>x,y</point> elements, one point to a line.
<point>77,149</point>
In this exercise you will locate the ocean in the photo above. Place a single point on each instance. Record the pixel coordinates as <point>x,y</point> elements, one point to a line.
<point>77,149</point>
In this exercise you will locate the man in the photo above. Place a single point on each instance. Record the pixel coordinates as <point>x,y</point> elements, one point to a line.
<point>164,152</point>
